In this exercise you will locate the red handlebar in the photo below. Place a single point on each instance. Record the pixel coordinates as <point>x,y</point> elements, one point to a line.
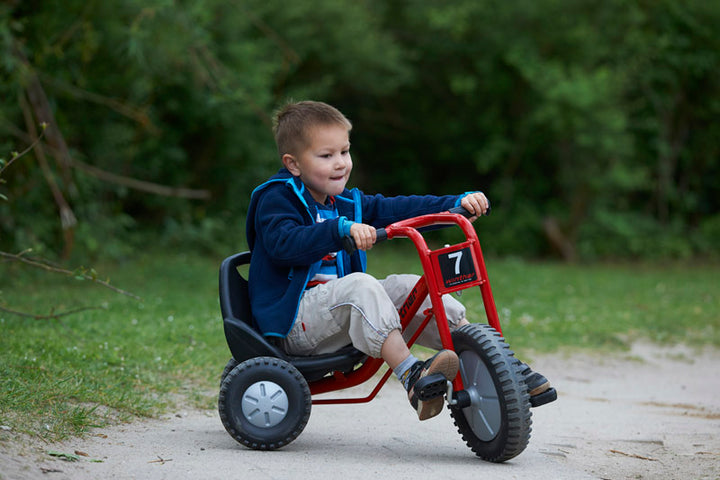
<point>415,222</point>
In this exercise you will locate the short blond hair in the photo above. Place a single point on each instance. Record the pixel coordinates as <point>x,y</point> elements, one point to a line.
<point>292,123</point>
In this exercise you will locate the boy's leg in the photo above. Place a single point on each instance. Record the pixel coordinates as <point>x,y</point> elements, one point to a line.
<point>398,287</point>
<point>352,309</point>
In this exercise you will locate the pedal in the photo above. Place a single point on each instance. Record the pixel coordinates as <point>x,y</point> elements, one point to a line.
<point>430,386</point>
<point>549,395</point>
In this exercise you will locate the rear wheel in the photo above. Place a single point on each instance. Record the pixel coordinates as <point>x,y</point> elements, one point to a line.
<point>496,424</point>
<point>264,403</point>
<point>232,363</point>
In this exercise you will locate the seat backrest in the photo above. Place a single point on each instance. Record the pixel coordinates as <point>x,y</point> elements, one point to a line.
<point>245,342</point>
<point>234,297</point>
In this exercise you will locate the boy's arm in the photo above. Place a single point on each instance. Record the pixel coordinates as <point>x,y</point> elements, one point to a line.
<point>380,211</point>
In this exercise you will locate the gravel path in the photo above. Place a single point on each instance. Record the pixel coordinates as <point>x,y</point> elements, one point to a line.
<point>652,413</point>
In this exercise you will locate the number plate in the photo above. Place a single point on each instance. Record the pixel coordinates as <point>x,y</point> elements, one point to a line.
<point>457,267</point>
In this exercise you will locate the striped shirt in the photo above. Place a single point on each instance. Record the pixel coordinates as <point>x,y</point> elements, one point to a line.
<point>329,270</point>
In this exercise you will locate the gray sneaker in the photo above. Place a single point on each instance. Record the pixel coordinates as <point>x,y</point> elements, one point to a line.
<point>427,382</point>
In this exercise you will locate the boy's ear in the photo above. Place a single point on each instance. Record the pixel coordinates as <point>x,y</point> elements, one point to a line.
<point>291,164</point>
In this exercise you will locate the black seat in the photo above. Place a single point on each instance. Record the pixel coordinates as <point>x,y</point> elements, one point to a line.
<point>245,342</point>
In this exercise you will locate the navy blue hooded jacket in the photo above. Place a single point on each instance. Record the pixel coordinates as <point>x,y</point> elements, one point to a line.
<point>288,245</point>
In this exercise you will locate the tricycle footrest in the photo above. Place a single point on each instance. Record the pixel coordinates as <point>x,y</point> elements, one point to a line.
<point>430,386</point>
<point>549,395</point>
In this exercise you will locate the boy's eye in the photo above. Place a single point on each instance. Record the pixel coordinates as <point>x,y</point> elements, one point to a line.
<point>345,152</point>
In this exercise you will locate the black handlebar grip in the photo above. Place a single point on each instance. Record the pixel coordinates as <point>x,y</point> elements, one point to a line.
<point>350,247</point>
<point>348,244</point>
<point>381,235</point>
<point>462,211</point>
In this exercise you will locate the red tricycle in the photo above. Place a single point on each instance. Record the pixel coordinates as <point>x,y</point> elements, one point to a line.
<point>266,395</point>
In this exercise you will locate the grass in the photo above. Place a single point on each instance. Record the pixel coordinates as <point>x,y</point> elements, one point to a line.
<point>133,358</point>
<point>59,378</point>
<point>548,306</point>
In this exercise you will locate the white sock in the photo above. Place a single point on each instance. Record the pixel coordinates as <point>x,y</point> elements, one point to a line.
<point>404,367</point>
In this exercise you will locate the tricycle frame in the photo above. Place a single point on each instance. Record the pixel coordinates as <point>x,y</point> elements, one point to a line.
<point>430,285</point>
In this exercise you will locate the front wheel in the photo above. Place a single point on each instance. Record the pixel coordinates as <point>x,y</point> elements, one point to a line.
<point>496,424</point>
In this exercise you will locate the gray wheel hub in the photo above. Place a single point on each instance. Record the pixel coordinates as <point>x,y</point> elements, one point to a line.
<point>265,404</point>
<point>484,413</point>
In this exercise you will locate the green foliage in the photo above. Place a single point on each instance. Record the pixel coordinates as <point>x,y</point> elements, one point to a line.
<point>598,115</point>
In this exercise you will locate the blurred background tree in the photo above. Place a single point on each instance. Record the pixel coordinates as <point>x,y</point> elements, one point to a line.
<point>593,126</point>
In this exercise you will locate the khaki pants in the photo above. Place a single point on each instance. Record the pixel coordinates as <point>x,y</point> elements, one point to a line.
<point>361,310</point>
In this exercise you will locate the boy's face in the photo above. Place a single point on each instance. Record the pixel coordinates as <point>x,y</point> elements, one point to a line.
<point>324,166</point>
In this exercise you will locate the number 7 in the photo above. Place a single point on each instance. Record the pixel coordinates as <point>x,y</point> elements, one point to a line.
<point>457,256</point>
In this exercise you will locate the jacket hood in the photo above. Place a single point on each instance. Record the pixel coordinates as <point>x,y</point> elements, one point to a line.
<point>282,176</point>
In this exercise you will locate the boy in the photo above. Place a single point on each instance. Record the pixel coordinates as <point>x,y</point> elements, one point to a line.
<point>308,292</point>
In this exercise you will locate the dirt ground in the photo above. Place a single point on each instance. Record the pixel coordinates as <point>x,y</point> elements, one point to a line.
<point>652,413</point>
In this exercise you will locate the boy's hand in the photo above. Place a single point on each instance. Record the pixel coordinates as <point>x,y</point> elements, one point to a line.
<point>364,235</point>
<point>475,203</point>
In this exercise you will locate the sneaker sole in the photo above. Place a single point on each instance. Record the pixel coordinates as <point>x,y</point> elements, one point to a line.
<point>541,389</point>
<point>430,408</point>
<point>446,363</point>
